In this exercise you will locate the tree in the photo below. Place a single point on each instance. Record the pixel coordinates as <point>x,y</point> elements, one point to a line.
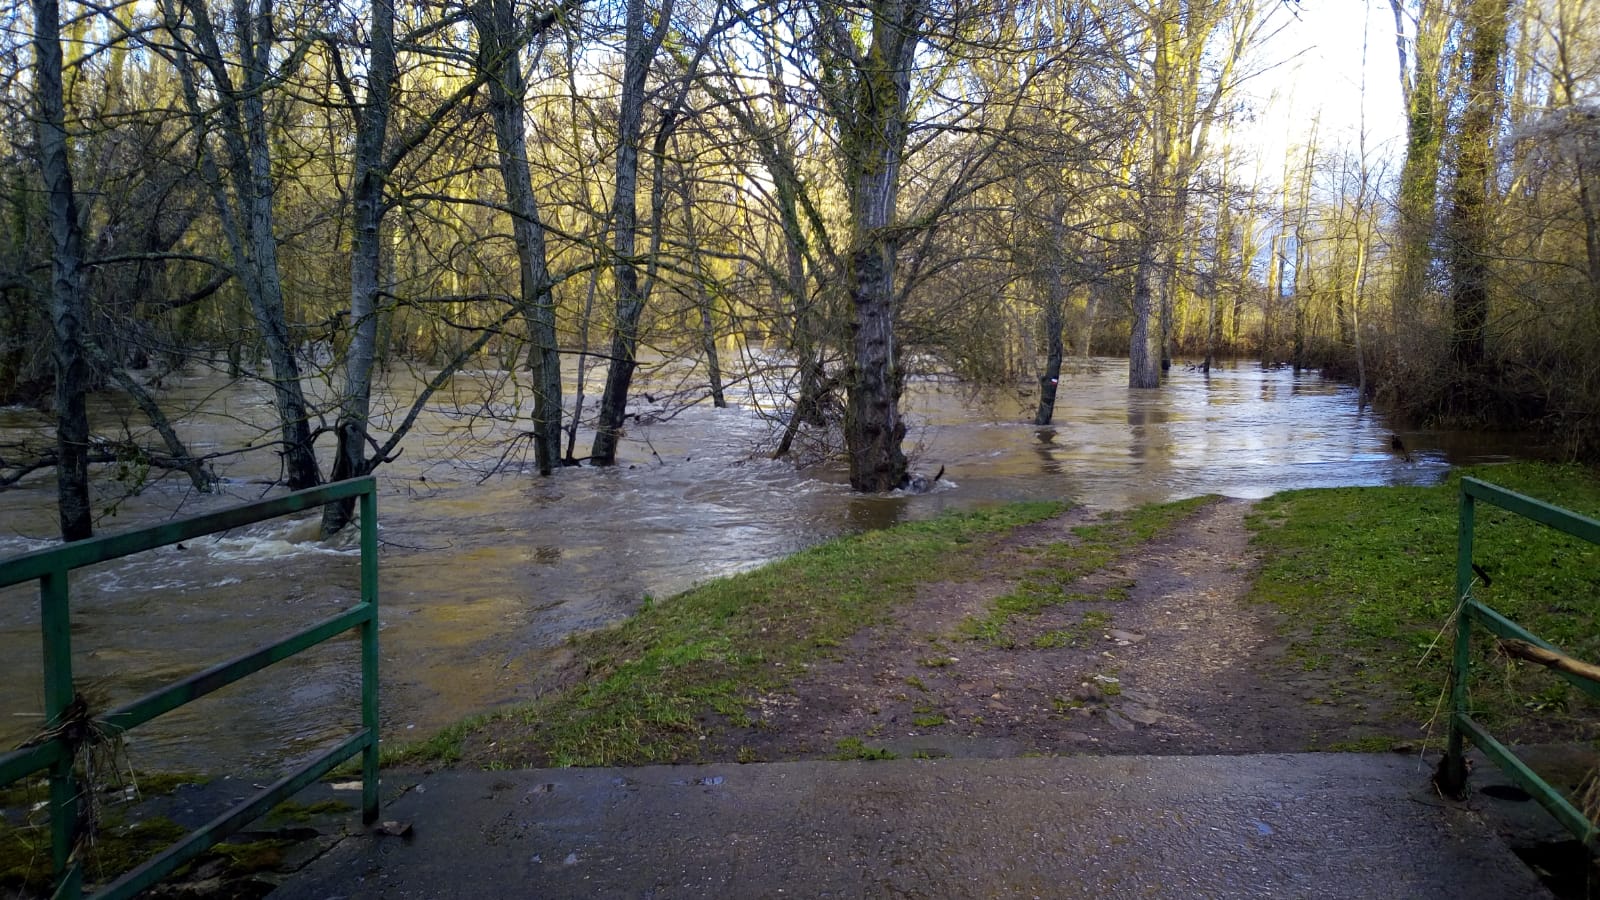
<point>1423,81</point>
<point>639,50</point>
<point>366,183</point>
<point>244,202</point>
<point>1469,234</point>
<point>865,89</point>
<point>69,308</point>
<point>499,56</point>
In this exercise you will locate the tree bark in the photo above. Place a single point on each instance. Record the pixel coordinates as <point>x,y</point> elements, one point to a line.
<point>638,52</point>
<point>1470,227</point>
<point>1054,317</point>
<point>870,105</point>
<point>1419,174</point>
<point>1144,342</point>
<point>69,306</point>
<point>507,92</point>
<point>241,123</point>
<point>366,264</point>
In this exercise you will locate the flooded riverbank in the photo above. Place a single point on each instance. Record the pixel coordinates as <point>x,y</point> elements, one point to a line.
<point>487,568</point>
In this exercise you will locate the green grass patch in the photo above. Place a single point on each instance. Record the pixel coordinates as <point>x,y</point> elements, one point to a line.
<point>1096,546</point>
<point>666,678</point>
<point>442,748</point>
<point>1366,577</point>
<point>854,748</point>
<point>25,852</point>
<point>1080,634</point>
<point>291,812</point>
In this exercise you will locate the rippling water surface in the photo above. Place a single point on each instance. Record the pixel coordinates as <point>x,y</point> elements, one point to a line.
<point>487,568</point>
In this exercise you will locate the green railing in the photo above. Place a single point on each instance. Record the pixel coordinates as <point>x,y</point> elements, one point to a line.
<point>64,710</point>
<point>1452,775</point>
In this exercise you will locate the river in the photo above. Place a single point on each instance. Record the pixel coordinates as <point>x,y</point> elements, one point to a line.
<point>487,568</point>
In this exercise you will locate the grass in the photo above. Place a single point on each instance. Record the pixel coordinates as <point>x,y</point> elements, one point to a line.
<point>854,748</point>
<point>1366,579</point>
<point>1096,546</point>
<point>25,852</point>
<point>1080,634</point>
<point>663,679</point>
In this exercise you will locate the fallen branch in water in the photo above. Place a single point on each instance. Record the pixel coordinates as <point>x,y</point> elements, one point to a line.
<point>1551,659</point>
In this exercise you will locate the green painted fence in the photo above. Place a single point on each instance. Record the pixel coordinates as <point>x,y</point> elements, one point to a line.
<point>1470,611</point>
<point>55,752</point>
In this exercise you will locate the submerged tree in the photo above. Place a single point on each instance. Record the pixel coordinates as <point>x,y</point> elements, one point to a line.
<point>69,308</point>
<point>866,68</point>
<point>639,50</point>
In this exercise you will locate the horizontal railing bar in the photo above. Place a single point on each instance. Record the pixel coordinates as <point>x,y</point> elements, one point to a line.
<point>223,674</point>
<point>24,761</point>
<point>1568,815</point>
<point>1503,627</point>
<point>1554,516</point>
<point>30,566</point>
<point>231,821</point>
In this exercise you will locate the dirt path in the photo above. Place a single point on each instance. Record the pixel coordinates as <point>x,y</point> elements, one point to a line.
<point>1155,652</point>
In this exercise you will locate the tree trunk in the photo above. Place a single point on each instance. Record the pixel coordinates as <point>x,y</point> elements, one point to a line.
<point>507,92</point>
<point>638,53</point>
<point>1419,174</point>
<point>1055,307</point>
<point>1144,342</point>
<point>704,299</point>
<point>241,123</point>
<point>366,265</point>
<point>1054,349</point>
<point>69,306</point>
<point>1470,227</point>
<point>1147,341</point>
<point>871,111</point>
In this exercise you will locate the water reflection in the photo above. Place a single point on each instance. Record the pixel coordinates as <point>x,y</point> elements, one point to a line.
<point>485,572</point>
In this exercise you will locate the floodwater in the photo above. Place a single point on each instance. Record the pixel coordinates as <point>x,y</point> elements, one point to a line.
<point>487,568</point>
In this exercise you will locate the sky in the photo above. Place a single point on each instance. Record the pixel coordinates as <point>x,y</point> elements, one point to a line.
<point>1321,70</point>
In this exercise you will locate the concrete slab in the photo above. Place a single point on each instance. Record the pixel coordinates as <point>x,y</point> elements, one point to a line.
<point>1312,825</point>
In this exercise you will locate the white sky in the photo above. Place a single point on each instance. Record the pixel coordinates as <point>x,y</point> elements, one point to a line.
<point>1322,72</point>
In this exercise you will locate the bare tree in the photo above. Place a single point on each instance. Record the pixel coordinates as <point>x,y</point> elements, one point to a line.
<point>69,307</point>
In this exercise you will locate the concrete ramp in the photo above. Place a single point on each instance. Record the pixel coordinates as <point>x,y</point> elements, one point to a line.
<point>1280,826</point>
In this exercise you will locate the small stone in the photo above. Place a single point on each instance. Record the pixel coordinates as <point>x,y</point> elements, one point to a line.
<point>1139,714</point>
<point>1125,637</point>
<point>1118,722</point>
<point>1088,693</point>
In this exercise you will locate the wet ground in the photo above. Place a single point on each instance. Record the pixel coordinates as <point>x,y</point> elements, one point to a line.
<point>1157,651</point>
<point>1308,826</point>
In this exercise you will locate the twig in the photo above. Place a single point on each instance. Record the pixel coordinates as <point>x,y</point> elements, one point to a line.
<point>1550,659</point>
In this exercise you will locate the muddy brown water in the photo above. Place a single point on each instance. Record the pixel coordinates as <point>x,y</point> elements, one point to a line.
<point>487,568</point>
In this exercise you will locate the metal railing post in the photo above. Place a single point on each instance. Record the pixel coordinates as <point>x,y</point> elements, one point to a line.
<point>369,655</point>
<point>56,628</point>
<point>1453,774</point>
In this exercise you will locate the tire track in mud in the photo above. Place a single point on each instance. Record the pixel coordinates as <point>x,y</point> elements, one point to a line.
<point>1158,651</point>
